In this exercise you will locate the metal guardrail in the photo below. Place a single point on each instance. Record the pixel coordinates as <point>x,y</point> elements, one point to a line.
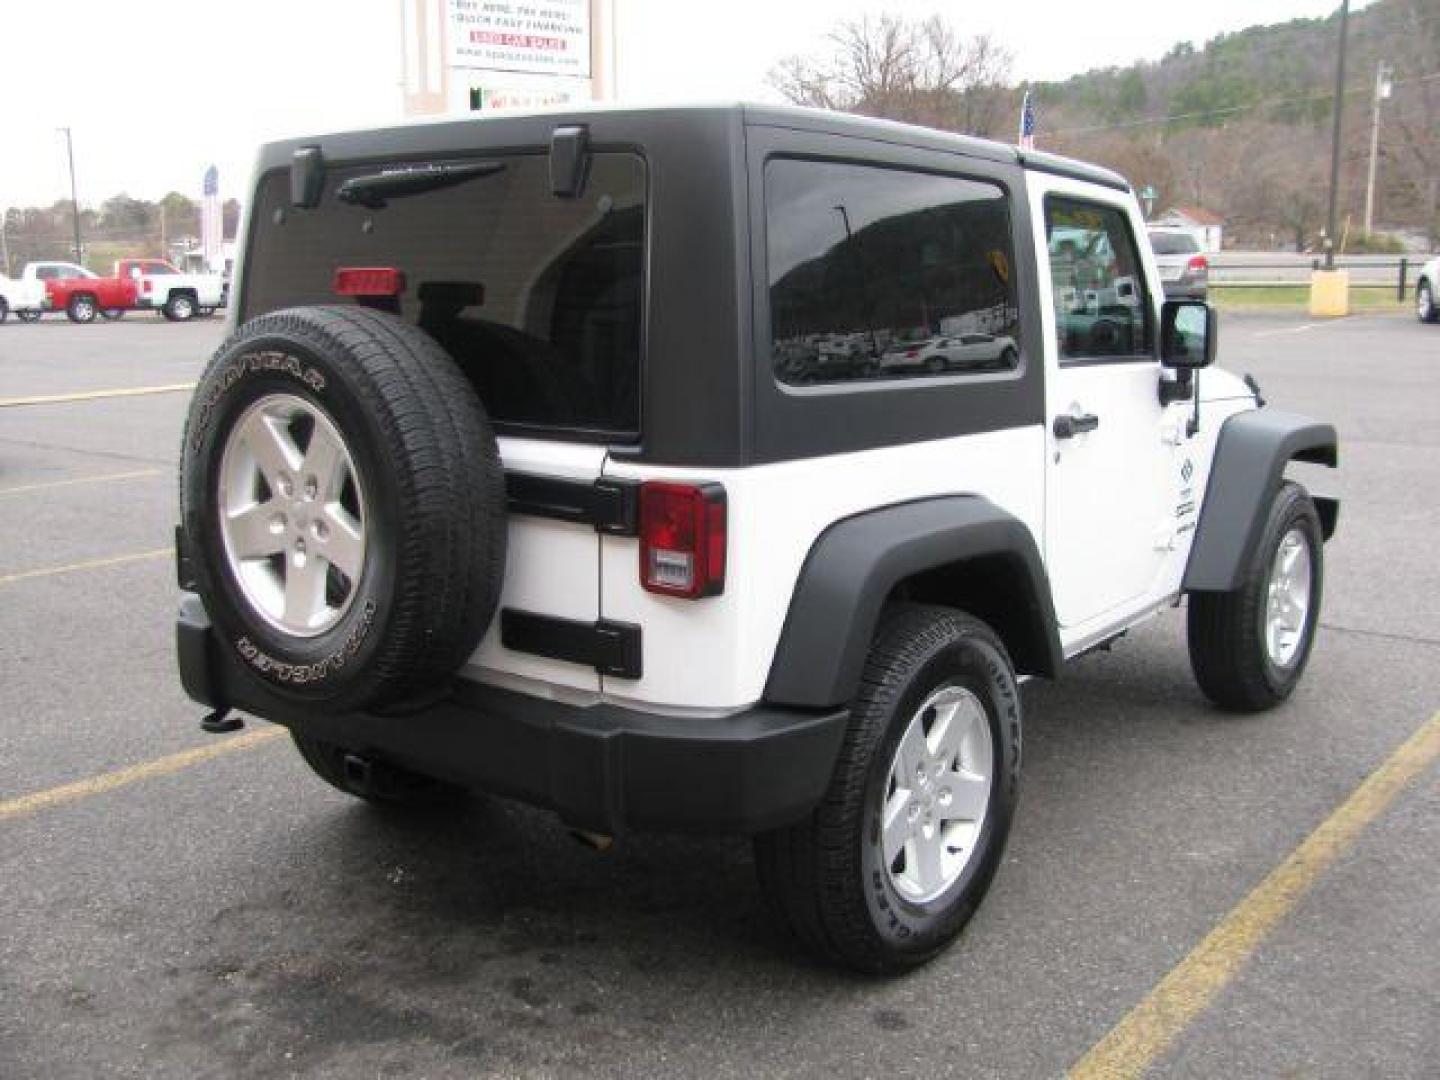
<point>1375,265</point>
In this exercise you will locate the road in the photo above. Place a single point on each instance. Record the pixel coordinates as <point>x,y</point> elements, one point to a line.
<point>229,915</point>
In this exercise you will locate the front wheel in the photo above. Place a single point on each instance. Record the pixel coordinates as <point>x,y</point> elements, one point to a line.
<point>112,314</point>
<point>4,310</point>
<point>1426,309</point>
<point>1248,647</point>
<point>28,316</point>
<point>894,861</point>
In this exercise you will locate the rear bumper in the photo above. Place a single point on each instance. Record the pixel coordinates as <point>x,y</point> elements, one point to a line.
<point>600,767</point>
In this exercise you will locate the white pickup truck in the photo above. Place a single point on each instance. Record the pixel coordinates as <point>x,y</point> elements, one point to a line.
<point>161,287</point>
<point>25,297</point>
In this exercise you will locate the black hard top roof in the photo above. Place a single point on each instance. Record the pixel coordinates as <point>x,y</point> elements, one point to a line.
<point>804,119</point>
<point>869,127</point>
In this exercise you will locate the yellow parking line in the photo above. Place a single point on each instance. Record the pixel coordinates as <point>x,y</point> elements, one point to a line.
<point>1148,1029</point>
<point>99,785</point>
<point>96,395</point>
<point>103,478</point>
<point>92,564</point>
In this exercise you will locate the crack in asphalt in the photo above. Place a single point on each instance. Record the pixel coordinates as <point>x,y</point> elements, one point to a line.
<point>1409,638</point>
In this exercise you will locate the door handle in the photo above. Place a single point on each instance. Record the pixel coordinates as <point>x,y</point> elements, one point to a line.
<point>1067,425</point>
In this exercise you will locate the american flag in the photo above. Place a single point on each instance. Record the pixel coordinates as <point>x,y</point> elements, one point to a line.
<point>1027,123</point>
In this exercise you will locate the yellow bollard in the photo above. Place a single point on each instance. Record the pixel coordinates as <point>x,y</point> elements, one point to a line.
<point>1329,293</point>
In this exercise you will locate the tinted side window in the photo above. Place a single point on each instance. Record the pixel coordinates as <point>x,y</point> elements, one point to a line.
<point>881,273</point>
<point>1101,306</point>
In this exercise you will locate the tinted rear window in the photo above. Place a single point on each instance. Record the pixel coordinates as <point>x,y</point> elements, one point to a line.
<point>1173,244</point>
<point>539,299</point>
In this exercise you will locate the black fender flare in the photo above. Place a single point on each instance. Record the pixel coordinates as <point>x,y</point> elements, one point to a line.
<point>1251,453</point>
<point>855,565</point>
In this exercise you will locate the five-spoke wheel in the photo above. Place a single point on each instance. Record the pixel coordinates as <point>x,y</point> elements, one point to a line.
<point>895,859</point>
<point>937,794</point>
<point>292,511</point>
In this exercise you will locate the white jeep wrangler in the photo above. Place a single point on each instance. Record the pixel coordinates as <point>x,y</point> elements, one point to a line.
<point>529,467</point>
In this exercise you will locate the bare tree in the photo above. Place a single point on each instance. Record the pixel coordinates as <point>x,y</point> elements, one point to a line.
<point>918,71</point>
<point>1411,133</point>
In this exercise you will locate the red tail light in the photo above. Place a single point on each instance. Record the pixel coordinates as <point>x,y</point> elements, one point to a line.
<point>682,539</point>
<point>911,353</point>
<point>368,281</point>
<point>1198,264</point>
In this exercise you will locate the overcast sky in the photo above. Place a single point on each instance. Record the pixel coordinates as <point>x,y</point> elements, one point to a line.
<point>155,90</point>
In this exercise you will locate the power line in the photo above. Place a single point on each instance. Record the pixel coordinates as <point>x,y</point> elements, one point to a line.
<point>1232,109</point>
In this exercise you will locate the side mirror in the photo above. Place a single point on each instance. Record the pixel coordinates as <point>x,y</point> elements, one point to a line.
<point>1188,333</point>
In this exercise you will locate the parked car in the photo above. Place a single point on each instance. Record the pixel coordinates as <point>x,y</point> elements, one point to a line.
<point>82,294</point>
<point>971,352</point>
<point>159,286</point>
<point>145,284</point>
<point>1184,269</point>
<point>25,298</point>
<point>1427,292</point>
<point>546,513</point>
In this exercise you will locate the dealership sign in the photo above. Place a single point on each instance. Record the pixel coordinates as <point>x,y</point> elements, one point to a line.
<point>541,37</point>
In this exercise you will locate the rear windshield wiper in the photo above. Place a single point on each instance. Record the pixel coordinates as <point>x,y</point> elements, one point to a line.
<point>375,190</point>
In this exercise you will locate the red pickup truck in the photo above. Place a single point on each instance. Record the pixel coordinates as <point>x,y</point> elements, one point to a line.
<point>82,294</point>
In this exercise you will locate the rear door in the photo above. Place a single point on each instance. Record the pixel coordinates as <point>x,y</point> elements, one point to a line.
<point>539,300</point>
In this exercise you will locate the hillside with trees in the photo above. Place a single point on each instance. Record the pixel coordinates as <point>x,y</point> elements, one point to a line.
<point>1238,125</point>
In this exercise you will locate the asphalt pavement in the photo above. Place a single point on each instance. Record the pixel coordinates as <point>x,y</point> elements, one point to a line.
<point>231,915</point>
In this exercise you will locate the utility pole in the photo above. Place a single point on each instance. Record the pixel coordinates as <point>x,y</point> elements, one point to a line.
<point>1335,138</point>
<point>74,200</point>
<point>1382,91</point>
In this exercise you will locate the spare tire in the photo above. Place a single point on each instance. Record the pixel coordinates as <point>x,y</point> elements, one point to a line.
<point>343,507</point>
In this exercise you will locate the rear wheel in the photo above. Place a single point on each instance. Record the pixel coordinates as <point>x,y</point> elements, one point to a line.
<point>112,313</point>
<point>894,861</point>
<point>1249,647</point>
<point>28,316</point>
<point>4,310</point>
<point>82,308</point>
<point>179,308</point>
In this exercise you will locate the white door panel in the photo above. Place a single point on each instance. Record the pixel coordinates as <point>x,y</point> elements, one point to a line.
<point>1108,492</point>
